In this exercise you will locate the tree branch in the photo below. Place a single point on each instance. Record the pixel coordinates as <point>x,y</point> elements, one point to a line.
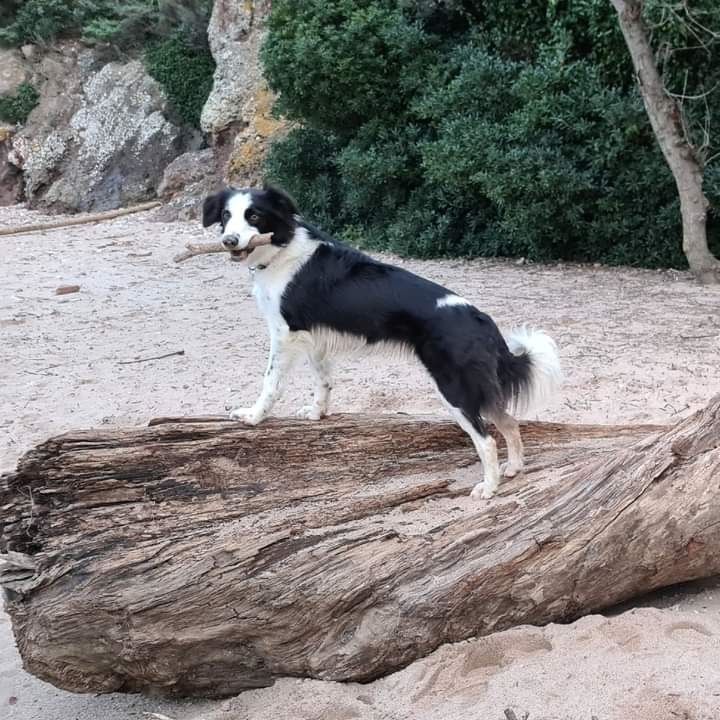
<point>86,219</point>
<point>193,249</point>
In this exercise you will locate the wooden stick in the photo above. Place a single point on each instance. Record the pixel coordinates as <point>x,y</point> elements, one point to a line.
<point>95,217</point>
<point>193,249</point>
<point>154,357</point>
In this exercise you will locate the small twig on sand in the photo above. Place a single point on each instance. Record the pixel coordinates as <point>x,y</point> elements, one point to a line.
<point>510,714</point>
<point>154,357</point>
<point>67,289</point>
<point>193,249</point>
<point>67,222</point>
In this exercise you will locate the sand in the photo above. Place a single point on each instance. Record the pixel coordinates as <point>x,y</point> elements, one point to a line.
<point>638,346</point>
<point>643,664</point>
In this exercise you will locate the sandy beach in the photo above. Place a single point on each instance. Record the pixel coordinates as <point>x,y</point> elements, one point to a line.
<point>637,346</point>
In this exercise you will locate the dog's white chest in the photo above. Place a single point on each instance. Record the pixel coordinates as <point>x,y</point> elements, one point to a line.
<point>270,283</point>
<point>268,294</point>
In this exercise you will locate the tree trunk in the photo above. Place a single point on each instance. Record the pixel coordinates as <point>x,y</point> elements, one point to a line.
<point>206,557</point>
<point>666,120</point>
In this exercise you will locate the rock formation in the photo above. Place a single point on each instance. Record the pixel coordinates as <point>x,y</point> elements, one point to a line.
<point>237,115</point>
<point>100,137</point>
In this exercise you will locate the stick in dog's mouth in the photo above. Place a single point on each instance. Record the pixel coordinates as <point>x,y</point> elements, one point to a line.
<point>255,241</point>
<point>193,249</point>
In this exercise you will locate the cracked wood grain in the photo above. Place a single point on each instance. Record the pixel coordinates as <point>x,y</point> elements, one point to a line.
<point>201,557</point>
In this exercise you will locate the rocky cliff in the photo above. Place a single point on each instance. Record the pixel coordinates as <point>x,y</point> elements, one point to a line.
<point>102,135</point>
<point>238,112</point>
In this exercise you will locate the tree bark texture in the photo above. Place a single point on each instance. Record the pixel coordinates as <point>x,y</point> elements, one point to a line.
<point>204,557</point>
<point>666,120</point>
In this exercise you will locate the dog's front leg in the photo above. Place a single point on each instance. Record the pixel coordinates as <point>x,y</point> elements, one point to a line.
<point>279,363</point>
<point>321,370</point>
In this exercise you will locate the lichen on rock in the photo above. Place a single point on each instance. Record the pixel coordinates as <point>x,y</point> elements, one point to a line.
<point>238,112</point>
<point>11,186</point>
<point>14,71</point>
<point>100,138</point>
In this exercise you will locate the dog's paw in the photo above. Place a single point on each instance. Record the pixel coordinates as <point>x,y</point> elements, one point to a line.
<point>482,492</point>
<point>509,470</point>
<point>310,412</point>
<point>249,416</point>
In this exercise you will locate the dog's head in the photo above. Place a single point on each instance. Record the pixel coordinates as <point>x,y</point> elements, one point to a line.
<point>243,213</point>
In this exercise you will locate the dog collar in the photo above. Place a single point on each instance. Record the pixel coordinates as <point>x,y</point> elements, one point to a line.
<point>254,268</point>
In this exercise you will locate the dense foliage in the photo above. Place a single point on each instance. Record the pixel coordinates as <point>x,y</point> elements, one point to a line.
<point>485,128</point>
<point>124,24</point>
<point>16,107</point>
<point>170,33</point>
<point>185,72</point>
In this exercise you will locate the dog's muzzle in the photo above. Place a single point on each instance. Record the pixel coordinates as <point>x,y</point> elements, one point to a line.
<point>231,242</point>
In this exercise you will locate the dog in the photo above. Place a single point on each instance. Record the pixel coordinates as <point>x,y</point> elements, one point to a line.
<point>322,298</point>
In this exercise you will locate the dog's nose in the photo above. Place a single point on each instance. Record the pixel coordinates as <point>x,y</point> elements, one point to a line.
<point>230,241</point>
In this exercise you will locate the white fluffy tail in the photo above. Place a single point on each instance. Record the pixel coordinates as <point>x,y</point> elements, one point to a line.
<point>543,373</point>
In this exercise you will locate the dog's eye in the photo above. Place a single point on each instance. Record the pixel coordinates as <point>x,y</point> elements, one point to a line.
<point>225,216</point>
<point>254,217</point>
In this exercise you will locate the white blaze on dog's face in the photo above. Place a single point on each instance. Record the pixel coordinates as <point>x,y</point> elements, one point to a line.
<point>237,220</point>
<point>244,213</point>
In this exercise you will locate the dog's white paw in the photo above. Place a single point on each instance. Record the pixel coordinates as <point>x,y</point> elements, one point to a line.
<point>509,470</point>
<point>249,416</point>
<point>481,492</point>
<point>310,412</point>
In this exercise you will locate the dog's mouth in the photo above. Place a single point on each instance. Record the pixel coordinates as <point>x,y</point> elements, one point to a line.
<point>239,254</point>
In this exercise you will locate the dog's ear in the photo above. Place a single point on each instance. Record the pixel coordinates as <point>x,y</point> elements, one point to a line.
<point>213,207</point>
<point>280,199</point>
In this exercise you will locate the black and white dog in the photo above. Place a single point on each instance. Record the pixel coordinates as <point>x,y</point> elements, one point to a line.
<point>321,298</point>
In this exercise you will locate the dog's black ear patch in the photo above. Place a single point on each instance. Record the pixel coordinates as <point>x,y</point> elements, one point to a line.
<point>213,207</point>
<point>280,199</point>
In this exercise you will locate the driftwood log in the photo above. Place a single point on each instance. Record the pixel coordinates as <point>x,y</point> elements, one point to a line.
<point>82,220</point>
<point>204,557</point>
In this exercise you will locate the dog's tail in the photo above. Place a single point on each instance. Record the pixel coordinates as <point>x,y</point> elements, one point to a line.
<point>530,373</point>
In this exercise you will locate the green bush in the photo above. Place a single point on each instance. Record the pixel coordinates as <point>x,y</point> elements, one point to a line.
<point>304,164</point>
<point>186,73</point>
<point>127,25</point>
<point>570,166</point>
<point>16,108</point>
<point>373,53</point>
<point>484,128</point>
<point>38,21</point>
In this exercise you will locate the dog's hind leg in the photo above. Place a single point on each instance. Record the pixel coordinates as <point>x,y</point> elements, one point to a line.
<point>486,450</point>
<point>510,430</point>
<point>468,384</point>
<point>321,369</point>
